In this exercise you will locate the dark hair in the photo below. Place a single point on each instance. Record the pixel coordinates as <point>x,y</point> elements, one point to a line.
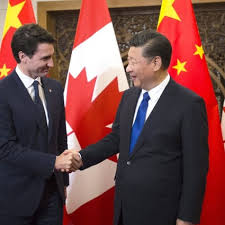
<point>155,44</point>
<point>26,39</point>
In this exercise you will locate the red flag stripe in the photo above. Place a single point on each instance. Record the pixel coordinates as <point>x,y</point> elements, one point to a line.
<point>100,15</point>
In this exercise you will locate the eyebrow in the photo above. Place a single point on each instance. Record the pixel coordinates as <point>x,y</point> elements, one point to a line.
<point>46,57</point>
<point>130,58</point>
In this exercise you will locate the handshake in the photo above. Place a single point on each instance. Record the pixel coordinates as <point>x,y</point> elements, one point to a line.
<point>68,161</point>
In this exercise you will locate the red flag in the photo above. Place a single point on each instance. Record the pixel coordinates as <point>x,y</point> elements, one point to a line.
<point>188,67</point>
<point>223,123</point>
<point>19,12</point>
<point>95,82</point>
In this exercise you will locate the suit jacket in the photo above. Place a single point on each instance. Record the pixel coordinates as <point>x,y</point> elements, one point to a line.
<point>27,152</point>
<point>164,178</point>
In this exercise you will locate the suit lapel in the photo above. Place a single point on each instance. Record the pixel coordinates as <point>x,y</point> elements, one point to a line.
<point>21,90</point>
<point>161,107</point>
<point>131,102</point>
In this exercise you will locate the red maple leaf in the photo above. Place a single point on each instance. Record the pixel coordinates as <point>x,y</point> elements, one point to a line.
<point>79,95</point>
<point>89,119</point>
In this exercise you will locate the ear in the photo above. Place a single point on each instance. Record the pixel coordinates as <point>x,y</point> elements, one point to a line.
<point>157,61</point>
<point>22,56</point>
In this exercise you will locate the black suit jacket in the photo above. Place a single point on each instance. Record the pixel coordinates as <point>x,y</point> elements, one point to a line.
<point>27,154</point>
<point>164,178</point>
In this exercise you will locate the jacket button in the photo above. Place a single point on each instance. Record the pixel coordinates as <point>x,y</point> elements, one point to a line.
<point>128,163</point>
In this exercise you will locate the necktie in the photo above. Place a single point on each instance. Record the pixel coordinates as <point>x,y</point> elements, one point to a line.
<point>139,121</point>
<point>39,104</point>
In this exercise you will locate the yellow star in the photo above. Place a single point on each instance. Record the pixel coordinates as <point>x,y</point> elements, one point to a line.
<point>199,51</point>
<point>12,19</point>
<point>4,71</point>
<point>180,66</point>
<point>167,10</point>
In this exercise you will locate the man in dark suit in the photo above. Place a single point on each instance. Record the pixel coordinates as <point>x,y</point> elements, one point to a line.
<point>32,135</point>
<point>161,134</point>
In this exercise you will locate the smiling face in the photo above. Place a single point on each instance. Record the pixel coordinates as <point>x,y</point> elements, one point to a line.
<point>143,71</point>
<point>39,64</point>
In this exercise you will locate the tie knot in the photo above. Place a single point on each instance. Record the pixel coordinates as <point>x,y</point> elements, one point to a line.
<point>35,83</point>
<point>146,96</point>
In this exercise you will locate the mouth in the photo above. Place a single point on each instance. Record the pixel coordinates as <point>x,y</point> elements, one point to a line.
<point>46,70</point>
<point>132,77</point>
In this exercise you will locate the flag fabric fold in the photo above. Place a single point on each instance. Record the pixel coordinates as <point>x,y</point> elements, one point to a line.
<point>95,82</point>
<point>188,67</point>
<point>18,12</point>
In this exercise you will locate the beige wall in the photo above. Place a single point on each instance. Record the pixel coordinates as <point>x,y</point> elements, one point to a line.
<point>3,8</point>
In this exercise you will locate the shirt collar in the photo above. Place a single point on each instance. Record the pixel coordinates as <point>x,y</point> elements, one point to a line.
<point>157,91</point>
<point>26,80</point>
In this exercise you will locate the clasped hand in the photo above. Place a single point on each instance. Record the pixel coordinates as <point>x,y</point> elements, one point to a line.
<point>68,161</point>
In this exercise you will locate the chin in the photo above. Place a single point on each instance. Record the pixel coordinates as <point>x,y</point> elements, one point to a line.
<point>137,84</point>
<point>43,74</point>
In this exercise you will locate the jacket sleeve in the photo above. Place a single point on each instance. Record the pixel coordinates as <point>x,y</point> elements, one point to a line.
<point>194,132</point>
<point>12,152</point>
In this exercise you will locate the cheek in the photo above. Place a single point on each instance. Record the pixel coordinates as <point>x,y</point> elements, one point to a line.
<point>40,66</point>
<point>137,70</point>
<point>140,73</point>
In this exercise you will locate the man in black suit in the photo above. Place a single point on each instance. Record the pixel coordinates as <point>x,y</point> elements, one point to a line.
<point>161,134</point>
<point>32,135</point>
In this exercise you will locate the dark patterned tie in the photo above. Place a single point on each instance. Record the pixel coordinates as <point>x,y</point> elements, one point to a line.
<point>39,104</point>
<point>139,121</point>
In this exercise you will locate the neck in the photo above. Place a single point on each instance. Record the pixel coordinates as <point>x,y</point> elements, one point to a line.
<point>159,78</point>
<point>25,71</point>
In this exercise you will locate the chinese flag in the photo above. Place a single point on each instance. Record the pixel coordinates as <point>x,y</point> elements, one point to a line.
<point>94,86</point>
<point>188,67</point>
<point>19,12</point>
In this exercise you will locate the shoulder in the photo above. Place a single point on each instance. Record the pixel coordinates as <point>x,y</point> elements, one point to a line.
<point>179,91</point>
<point>132,91</point>
<point>8,83</point>
<point>52,83</point>
<point>183,99</point>
<point>8,79</point>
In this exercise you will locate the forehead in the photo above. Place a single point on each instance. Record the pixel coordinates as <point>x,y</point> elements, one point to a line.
<point>135,52</point>
<point>44,49</point>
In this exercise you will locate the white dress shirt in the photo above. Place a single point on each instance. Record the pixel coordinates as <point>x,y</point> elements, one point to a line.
<point>28,83</point>
<point>154,94</point>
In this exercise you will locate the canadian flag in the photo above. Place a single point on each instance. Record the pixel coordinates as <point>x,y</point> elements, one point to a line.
<point>223,123</point>
<point>94,86</point>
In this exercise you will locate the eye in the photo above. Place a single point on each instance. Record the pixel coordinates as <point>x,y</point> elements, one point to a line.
<point>46,58</point>
<point>132,62</point>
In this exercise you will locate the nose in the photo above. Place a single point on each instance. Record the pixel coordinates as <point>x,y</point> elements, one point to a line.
<point>50,63</point>
<point>128,68</point>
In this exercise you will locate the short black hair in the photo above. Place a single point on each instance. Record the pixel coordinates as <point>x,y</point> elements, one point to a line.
<point>26,39</point>
<point>155,44</point>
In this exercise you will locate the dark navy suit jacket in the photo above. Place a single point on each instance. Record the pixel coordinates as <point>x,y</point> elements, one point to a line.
<point>164,178</point>
<point>27,153</point>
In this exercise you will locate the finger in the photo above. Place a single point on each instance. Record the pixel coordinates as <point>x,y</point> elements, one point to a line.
<point>77,162</point>
<point>77,157</point>
<point>68,171</point>
<point>75,165</point>
<point>68,151</point>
